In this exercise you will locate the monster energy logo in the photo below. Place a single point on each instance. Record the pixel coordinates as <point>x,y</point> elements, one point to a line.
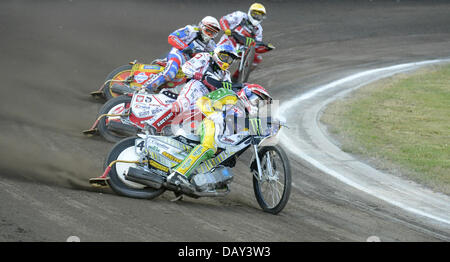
<point>256,125</point>
<point>226,85</point>
<point>249,41</point>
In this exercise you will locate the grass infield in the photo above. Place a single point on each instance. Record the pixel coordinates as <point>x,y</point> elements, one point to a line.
<point>400,124</point>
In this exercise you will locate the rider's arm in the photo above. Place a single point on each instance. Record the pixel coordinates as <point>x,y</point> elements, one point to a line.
<point>178,38</point>
<point>215,101</point>
<point>177,42</point>
<point>195,66</point>
<point>225,25</point>
<point>243,40</point>
<point>230,21</point>
<point>262,47</point>
<point>259,33</point>
<point>239,38</point>
<point>213,84</point>
<point>210,46</point>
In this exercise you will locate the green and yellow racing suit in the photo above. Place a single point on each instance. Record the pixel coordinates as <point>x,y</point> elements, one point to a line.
<point>210,105</point>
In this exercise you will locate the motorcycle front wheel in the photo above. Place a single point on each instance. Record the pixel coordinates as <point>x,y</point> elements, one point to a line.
<point>272,191</point>
<point>117,76</point>
<point>125,150</point>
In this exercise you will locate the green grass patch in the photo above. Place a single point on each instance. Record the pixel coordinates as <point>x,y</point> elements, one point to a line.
<point>401,123</point>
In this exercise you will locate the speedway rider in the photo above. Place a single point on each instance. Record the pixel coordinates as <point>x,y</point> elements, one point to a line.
<point>208,73</point>
<point>242,29</point>
<point>185,43</point>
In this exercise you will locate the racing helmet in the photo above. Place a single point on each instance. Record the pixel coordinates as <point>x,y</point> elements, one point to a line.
<point>256,13</point>
<point>209,28</point>
<point>224,55</point>
<point>252,94</point>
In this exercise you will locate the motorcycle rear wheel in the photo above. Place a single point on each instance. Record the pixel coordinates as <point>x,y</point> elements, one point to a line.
<point>273,191</point>
<point>108,108</point>
<point>125,150</point>
<point>119,74</point>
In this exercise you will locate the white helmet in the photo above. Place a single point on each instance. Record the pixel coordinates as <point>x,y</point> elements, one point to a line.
<point>256,13</point>
<point>209,27</point>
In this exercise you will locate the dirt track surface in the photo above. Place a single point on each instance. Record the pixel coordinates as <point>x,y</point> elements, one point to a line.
<point>54,54</point>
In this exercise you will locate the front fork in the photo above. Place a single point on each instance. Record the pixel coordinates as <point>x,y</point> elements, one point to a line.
<point>258,162</point>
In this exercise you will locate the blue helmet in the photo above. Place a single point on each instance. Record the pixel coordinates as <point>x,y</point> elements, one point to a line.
<point>224,55</point>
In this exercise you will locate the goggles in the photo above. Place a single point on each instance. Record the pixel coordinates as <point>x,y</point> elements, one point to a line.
<point>210,31</point>
<point>226,58</point>
<point>257,15</point>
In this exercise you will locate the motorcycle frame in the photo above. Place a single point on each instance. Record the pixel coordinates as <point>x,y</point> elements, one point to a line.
<point>246,51</point>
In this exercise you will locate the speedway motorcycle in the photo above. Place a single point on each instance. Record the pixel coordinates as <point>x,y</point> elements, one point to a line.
<point>138,166</point>
<point>129,114</point>
<point>247,48</point>
<point>128,78</point>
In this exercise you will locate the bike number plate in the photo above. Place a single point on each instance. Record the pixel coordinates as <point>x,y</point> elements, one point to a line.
<point>139,145</point>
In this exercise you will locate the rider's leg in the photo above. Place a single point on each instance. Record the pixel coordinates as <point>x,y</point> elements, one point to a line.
<point>198,154</point>
<point>212,126</point>
<point>205,150</point>
<point>257,60</point>
<point>201,152</point>
<point>175,60</point>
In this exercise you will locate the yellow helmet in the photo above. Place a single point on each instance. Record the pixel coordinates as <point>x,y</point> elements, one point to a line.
<point>256,13</point>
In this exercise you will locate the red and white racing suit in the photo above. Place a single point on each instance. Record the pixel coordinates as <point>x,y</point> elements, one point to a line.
<point>197,68</point>
<point>239,23</point>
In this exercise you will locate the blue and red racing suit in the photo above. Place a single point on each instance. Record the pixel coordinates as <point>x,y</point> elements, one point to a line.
<point>185,42</point>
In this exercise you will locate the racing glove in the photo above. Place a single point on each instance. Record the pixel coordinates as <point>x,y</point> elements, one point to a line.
<point>198,76</point>
<point>270,46</point>
<point>262,47</point>
<point>213,84</point>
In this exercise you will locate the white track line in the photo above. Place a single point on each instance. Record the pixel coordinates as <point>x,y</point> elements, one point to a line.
<point>375,74</point>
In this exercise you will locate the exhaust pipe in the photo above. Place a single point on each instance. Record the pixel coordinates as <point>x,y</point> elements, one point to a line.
<point>121,89</point>
<point>146,178</point>
<point>119,127</point>
<point>157,182</point>
<point>195,194</point>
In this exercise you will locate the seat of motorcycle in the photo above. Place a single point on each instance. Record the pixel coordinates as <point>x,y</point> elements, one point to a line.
<point>192,137</point>
<point>187,135</point>
<point>195,139</point>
